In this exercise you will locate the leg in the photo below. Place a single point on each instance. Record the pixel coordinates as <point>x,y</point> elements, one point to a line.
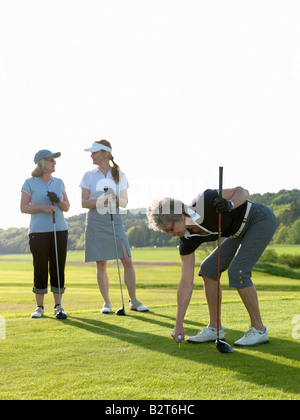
<point>211,288</point>
<point>40,248</point>
<point>103,281</point>
<point>209,273</point>
<point>129,273</point>
<point>250,300</point>
<point>39,299</point>
<point>62,242</point>
<point>57,300</point>
<point>254,242</point>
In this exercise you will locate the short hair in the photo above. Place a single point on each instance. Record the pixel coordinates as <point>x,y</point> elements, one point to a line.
<point>166,210</point>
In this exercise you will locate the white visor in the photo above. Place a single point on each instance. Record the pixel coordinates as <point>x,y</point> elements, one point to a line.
<point>96,147</point>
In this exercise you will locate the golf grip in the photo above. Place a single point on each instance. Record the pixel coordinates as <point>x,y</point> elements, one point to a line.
<point>220,181</point>
<point>110,212</point>
<point>53,214</point>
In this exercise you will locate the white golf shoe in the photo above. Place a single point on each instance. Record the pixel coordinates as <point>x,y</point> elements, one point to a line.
<point>207,335</point>
<point>253,337</point>
<point>58,309</point>
<point>106,308</point>
<point>38,313</point>
<point>136,305</point>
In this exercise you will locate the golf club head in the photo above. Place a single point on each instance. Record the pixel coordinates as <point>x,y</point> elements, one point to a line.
<point>223,347</point>
<point>121,311</point>
<point>61,315</point>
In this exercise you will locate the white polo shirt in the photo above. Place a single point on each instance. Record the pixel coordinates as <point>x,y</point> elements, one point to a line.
<point>95,181</point>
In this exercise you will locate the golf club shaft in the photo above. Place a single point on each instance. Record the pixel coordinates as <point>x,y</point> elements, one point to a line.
<point>219,241</point>
<point>116,249</point>
<point>56,256</point>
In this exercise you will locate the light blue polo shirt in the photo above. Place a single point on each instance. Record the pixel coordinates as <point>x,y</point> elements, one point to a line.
<point>38,189</point>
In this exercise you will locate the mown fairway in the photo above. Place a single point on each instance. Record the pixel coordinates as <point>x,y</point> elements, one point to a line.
<point>94,356</point>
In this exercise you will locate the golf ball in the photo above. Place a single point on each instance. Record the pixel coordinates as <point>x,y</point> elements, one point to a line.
<point>179,337</point>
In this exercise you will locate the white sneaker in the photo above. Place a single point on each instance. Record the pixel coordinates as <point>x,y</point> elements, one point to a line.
<point>59,309</point>
<point>136,305</point>
<point>38,313</point>
<point>253,337</point>
<point>106,308</point>
<point>207,335</point>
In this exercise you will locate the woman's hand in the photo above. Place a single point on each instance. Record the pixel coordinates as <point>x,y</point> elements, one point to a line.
<point>109,198</point>
<point>178,331</point>
<point>49,209</point>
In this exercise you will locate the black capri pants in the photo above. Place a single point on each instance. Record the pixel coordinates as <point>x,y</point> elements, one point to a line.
<point>42,247</point>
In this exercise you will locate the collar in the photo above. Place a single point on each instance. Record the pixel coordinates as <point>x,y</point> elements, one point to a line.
<point>195,218</point>
<point>50,180</point>
<point>94,171</point>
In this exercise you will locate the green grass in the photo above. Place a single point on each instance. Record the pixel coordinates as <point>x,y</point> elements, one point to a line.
<point>286,249</point>
<point>93,356</point>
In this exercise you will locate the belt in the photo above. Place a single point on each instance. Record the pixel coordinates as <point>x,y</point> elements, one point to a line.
<point>249,205</point>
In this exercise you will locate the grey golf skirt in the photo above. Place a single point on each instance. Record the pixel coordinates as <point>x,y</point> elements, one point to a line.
<point>99,238</point>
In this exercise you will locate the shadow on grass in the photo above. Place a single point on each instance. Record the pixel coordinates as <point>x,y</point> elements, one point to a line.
<point>251,365</point>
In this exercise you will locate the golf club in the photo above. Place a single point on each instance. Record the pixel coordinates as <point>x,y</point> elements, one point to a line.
<point>221,345</point>
<point>60,314</point>
<point>120,311</point>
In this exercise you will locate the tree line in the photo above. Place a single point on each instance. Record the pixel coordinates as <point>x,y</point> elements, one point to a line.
<point>285,204</point>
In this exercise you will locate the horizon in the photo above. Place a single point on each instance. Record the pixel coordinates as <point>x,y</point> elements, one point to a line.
<point>131,210</point>
<point>178,88</point>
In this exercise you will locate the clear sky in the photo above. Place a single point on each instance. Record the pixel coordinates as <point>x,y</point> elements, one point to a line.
<point>179,87</point>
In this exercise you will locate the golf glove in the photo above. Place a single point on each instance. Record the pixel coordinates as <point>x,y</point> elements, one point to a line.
<point>222,205</point>
<point>53,197</point>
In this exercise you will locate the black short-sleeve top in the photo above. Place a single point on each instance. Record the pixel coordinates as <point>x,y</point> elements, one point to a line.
<point>208,220</point>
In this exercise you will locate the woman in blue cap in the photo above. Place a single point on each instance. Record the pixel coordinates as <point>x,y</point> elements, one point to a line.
<point>43,195</point>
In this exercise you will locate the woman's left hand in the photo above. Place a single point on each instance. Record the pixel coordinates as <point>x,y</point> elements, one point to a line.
<point>176,333</point>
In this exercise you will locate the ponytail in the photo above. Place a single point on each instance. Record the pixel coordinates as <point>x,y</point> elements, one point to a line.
<point>115,170</point>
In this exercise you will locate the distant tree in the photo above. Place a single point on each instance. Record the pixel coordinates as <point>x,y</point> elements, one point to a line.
<point>286,205</point>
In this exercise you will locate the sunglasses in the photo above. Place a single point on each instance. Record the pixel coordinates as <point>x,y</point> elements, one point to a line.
<point>171,229</point>
<point>51,160</point>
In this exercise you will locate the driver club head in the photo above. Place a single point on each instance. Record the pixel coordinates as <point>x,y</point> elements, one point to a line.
<point>121,311</point>
<point>61,315</point>
<point>223,347</point>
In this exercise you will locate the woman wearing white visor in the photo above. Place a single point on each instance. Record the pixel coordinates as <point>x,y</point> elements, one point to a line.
<point>107,184</point>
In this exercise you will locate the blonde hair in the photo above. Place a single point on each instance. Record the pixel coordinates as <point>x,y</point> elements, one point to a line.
<point>39,169</point>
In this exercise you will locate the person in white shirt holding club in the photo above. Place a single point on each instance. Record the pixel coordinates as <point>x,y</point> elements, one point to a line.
<point>99,235</point>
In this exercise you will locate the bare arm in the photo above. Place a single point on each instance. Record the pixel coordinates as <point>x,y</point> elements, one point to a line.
<point>64,204</point>
<point>184,293</point>
<point>93,204</point>
<point>86,203</point>
<point>28,208</point>
<point>123,200</point>
<point>238,195</point>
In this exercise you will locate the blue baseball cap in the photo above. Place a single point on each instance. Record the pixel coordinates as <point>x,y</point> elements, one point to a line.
<point>44,153</point>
